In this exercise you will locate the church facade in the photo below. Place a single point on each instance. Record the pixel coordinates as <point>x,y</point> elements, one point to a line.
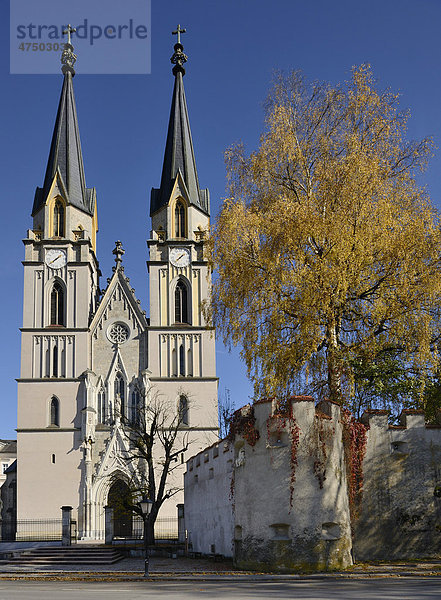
<point>90,357</point>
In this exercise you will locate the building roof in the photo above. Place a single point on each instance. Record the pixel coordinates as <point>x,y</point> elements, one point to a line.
<point>12,468</point>
<point>65,156</point>
<point>8,446</point>
<point>179,153</point>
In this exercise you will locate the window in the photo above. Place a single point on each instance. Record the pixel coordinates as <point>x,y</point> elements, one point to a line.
<point>120,389</point>
<point>4,467</point>
<point>57,305</point>
<point>101,406</point>
<point>134,408</point>
<point>55,412</point>
<point>53,459</point>
<point>179,220</point>
<point>55,361</point>
<point>183,410</point>
<point>181,361</point>
<point>181,313</point>
<point>58,219</point>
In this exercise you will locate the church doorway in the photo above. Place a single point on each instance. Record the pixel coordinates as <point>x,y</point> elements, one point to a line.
<point>118,499</point>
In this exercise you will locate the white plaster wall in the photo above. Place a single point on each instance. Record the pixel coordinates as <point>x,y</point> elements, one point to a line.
<point>43,487</point>
<point>208,506</point>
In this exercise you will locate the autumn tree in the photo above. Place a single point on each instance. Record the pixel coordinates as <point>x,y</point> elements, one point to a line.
<point>327,249</point>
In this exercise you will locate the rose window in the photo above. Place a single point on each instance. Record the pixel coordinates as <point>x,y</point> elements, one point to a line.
<point>119,333</point>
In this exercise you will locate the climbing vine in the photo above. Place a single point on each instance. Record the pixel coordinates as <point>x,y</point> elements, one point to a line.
<point>243,423</point>
<point>322,435</point>
<point>354,440</point>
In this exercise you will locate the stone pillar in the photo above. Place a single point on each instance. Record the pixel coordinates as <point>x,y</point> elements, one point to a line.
<point>66,512</point>
<point>181,523</point>
<point>108,511</point>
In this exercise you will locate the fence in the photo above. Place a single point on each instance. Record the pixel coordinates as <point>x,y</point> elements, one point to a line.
<point>133,528</point>
<point>35,530</point>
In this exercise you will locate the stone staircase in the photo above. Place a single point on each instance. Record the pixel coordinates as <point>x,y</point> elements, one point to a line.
<point>68,555</point>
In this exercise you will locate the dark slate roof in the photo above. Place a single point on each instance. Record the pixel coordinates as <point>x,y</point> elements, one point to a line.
<point>8,446</point>
<point>12,467</point>
<point>65,156</point>
<point>179,156</point>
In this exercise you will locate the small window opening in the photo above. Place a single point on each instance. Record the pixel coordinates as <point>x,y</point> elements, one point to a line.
<point>55,412</point>
<point>55,361</point>
<point>183,410</point>
<point>53,459</point>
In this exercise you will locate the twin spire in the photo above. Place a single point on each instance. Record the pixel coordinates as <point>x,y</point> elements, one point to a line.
<point>66,160</point>
<point>65,157</point>
<point>179,153</point>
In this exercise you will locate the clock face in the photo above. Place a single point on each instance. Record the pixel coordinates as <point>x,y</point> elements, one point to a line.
<point>55,259</point>
<point>180,257</point>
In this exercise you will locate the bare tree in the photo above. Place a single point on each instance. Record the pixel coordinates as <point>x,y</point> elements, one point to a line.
<point>225,412</point>
<point>157,433</point>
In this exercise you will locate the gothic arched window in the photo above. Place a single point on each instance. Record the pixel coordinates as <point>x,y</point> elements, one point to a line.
<point>134,407</point>
<point>120,388</point>
<point>101,406</point>
<point>181,308</point>
<point>58,219</point>
<point>57,304</point>
<point>183,410</point>
<point>179,220</point>
<point>55,412</point>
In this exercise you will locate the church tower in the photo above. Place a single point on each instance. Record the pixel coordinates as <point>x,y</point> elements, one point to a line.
<point>181,346</point>
<point>90,356</point>
<point>61,287</point>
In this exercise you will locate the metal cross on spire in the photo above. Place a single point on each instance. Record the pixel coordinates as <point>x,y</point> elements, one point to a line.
<point>68,57</point>
<point>178,33</point>
<point>179,58</point>
<point>68,31</point>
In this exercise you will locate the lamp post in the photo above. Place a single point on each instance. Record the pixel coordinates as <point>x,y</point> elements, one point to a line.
<point>146,508</point>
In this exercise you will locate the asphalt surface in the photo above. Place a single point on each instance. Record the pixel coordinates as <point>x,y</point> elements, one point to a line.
<point>409,589</point>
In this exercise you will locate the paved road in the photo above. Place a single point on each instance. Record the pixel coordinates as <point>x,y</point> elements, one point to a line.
<point>392,589</point>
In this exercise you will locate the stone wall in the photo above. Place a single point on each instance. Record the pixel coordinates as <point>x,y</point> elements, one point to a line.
<point>291,481</point>
<point>401,507</point>
<point>208,506</point>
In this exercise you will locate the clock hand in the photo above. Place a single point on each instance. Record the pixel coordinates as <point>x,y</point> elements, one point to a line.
<point>56,258</point>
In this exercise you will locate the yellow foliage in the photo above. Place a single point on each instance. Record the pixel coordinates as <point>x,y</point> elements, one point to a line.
<point>327,247</point>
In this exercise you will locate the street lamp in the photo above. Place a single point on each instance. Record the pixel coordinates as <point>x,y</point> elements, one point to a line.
<point>146,508</point>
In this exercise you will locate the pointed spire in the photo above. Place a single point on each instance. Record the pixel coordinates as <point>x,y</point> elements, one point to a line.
<point>65,156</point>
<point>179,153</point>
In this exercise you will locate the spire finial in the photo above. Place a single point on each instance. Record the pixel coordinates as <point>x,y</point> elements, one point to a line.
<point>179,58</point>
<point>178,33</point>
<point>68,57</point>
<point>118,251</point>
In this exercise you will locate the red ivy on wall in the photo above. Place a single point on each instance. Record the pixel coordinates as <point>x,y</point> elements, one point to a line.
<point>354,443</point>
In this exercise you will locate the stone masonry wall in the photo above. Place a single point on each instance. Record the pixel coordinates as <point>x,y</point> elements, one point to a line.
<point>401,506</point>
<point>293,482</point>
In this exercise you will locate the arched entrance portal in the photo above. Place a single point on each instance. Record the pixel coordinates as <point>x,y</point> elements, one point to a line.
<point>118,498</point>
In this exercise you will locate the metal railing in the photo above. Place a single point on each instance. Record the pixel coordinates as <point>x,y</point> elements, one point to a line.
<point>31,530</point>
<point>166,528</point>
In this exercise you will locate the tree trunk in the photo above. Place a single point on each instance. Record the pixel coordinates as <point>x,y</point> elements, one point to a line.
<point>334,366</point>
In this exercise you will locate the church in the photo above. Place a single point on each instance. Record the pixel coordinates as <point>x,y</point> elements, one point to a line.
<point>90,355</point>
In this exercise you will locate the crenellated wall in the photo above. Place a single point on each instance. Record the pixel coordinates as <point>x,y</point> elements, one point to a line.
<point>290,480</point>
<point>401,506</point>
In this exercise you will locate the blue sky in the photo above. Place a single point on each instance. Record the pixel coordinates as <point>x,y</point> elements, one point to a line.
<point>234,46</point>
